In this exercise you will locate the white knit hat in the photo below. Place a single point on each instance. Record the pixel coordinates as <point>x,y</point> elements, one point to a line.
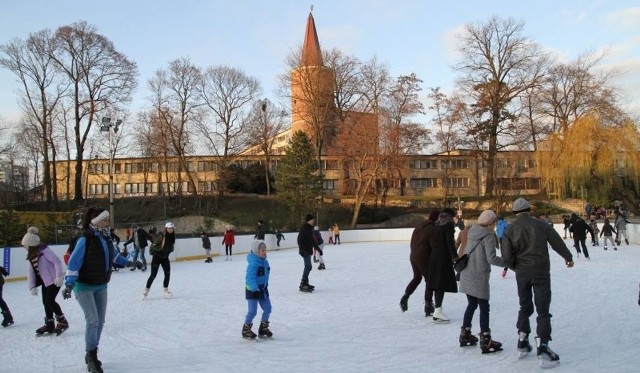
<point>31,238</point>
<point>169,225</point>
<point>255,246</point>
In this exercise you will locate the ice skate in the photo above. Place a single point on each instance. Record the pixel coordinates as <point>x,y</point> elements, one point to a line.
<point>439,316</point>
<point>466,338</point>
<point>546,357</point>
<point>524,347</point>
<point>321,267</point>
<point>428,309</point>
<point>61,324</point>
<point>7,319</point>
<point>263,331</point>
<point>488,345</point>
<point>404,306</point>
<point>247,333</point>
<point>145,293</point>
<point>48,327</point>
<point>305,288</point>
<point>167,293</point>
<point>93,364</point>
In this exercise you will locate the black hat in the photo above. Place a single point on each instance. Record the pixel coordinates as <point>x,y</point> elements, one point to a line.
<point>309,217</point>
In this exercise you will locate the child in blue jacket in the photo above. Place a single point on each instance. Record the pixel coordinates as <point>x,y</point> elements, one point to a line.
<point>257,290</point>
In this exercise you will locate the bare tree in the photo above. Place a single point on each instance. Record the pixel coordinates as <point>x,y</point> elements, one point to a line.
<point>497,65</point>
<point>30,60</point>
<point>228,96</point>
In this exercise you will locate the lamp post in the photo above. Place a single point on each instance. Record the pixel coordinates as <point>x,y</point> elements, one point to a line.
<point>112,128</point>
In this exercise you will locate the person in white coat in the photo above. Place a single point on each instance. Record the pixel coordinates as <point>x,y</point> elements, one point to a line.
<point>474,280</point>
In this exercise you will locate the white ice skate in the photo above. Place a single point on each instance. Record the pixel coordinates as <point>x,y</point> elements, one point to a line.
<point>439,316</point>
<point>167,293</point>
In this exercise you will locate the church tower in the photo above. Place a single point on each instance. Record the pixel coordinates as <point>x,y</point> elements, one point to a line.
<point>312,91</point>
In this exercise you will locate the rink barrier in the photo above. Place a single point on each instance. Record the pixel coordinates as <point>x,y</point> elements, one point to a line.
<point>191,248</point>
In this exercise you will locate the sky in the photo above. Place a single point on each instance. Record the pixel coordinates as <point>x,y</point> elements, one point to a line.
<point>352,323</point>
<point>411,36</point>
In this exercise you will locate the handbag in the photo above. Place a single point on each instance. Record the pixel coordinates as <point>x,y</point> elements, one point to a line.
<point>462,262</point>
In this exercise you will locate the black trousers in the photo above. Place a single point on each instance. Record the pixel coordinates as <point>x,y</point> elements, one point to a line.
<point>49,295</point>
<point>156,262</point>
<point>534,289</point>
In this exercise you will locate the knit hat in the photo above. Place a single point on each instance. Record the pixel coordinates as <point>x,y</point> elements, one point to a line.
<point>31,238</point>
<point>169,225</point>
<point>487,217</point>
<point>309,217</point>
<point>255,246</point>
<point>520,205</point>
<point>102,216</point>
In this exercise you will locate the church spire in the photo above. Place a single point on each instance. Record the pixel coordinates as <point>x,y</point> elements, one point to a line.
<point>311,53</point>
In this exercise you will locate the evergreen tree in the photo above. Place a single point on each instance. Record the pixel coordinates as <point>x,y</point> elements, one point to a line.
<point>298,182</point>
<point>11,230</point>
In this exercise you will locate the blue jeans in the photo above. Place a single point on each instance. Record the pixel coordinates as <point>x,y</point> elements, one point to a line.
<point>252,309</point>
<point>307,268</point>
<point>140,251</point>
<point>94,306</point>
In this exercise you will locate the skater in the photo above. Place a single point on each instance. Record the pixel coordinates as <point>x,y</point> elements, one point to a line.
<point>7,318</point>
<point>261,231</point>
<point>257,291</point>
<point>567,223</point>
<point>306,244</point>
<point>621,228</point>
<point>45,268</point>
<point>140,239</point>
<point>228,240</point>
<point>440,277</point>
<point>115,239</point>
<point>88,276</point>
<point>279,237</point>
<point>336,234</point>
<point>419,258</point>
<point>160,249</point>
<point>474,281</point>
<point>206,245</point>
<point>319,248</point>
<point>608,230</point>
<point>527,254</point>
<point>579,228</point>
<point>501,224</point>
<point>594,228</point>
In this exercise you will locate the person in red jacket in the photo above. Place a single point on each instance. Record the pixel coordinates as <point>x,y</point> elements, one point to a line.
<point>228,240</point>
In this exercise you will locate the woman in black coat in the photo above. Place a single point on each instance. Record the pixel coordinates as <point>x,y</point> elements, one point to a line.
<point>441,277</point>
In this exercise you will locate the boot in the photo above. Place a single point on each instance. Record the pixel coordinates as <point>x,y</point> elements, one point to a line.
<point>247,333</point>
<point>524,347</point>
<point>93,364</point>
<point>321,266</point>
<point>62,324</point>
<point>264,331</point>
<point>145,293</point>
<point>48,327</point>
<point>488,345</point>
<point>404,306</point>
<point>167,293</point>
<point>546,357</point>
<point>7,319</point>
<point>466,338</point>
<point>627,241</point>
<point>306,288</point>
<point>429,308</point>
<point>439,316</point>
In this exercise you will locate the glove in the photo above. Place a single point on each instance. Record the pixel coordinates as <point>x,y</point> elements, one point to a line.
<point>34,291</point>
<point>58,281</point>
<point>66,293</point>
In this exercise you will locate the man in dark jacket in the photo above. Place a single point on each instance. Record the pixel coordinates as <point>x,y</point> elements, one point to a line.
<point>579,228</point>
<point>526,252</point>
<point>140,239</point>
<point>306,243</point>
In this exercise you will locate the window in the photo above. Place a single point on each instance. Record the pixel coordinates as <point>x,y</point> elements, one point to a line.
<point>454,163</point>
<point>503,163</point>
<point>330,165</point>
<point>207,166</point>
<point>207,186</point>
<point>423,163</point>
<point>457,182</point>
<point>330,184</point>
<point>423,183</point>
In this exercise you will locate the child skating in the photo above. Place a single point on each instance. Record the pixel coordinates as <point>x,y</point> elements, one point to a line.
<point>257,291</point>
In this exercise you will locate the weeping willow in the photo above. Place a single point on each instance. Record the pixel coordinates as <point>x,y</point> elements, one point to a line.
<point>590,159</point>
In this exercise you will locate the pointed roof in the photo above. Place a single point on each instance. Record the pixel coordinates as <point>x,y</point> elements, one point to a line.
<point>311,53</point>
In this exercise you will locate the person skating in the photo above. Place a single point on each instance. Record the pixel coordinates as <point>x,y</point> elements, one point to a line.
<point>161,247</point>
<point>441,277</point>
<point>45,268</point>
<point>594,228</point>
<point>279,237</point>
<point>88,275</point>
<point>257,291</point>
<point>336,234</point>
<point>319,251</point>
<point>474,281</point>
<point>228,240</point>
<point>621,228</point>
<point>526,252</point>
<point>7,318</point>
<point>206,245</point>
<point>140,239</point>
<point>306,244</point>
<point>608,230</point>
<point>579,228</point>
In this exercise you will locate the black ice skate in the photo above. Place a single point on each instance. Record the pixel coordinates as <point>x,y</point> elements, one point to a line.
<point>62,324</point>
<point>488,345</point>
<point>321,267</point>
<point>466,338</point>
<point>524,347</point>
<point>93,364</point>
<point>7,319</point>
<point>48,327</point>
<point>546,357</point>
<point>247,333</point>
<point>263,331</point>
<point>404,305</point>
<point>429,308</point>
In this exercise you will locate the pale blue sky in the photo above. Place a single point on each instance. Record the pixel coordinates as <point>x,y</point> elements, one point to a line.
<point>256,36</point>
